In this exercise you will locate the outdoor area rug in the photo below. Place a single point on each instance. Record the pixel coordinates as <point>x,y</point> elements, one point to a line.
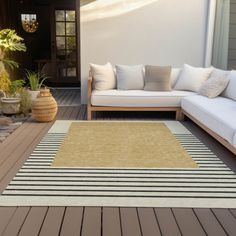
<point>122,144</point>
<point>207,183</point>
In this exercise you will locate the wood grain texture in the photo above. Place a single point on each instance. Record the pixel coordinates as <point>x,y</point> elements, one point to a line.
<point>52,222</point>
<point>72,222</point>
<point>167,222</point>
<point>34,221</point>
<point>148,222</point>
<point>188,222</point>
<point>16,221</point>
<point>226,219</point>
<point>130,222</point>
<point>111,222</point>
<point>91,221</point>
<point>6,214</point>
<point>209,222</point>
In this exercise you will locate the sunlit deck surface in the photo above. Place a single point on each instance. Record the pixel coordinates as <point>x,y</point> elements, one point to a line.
<point>93,221</point>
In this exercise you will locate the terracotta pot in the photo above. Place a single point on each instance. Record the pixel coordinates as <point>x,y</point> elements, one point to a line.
<point>10,106</point>
<point>44,107</point>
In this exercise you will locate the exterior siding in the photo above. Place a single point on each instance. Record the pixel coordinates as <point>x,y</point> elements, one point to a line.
<point>232,36</point>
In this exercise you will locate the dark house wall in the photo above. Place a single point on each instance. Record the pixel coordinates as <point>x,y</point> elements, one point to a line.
<point>38,43</point>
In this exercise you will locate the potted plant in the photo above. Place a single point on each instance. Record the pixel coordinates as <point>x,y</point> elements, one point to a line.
<point>11,102</point>
<point>36,80</point>
<point>9,42</point>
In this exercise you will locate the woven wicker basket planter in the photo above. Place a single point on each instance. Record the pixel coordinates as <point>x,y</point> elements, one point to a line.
<point>44,108</point>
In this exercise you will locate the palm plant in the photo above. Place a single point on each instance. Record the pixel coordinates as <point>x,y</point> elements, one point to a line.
<point>36,79</point>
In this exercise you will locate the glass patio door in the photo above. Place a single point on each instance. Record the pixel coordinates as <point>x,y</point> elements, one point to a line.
<point>64,47</point>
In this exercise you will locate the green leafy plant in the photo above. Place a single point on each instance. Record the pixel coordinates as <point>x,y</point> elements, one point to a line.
<point>25,101</point>
<point>36,79</point>
<point>15,87</point>
<point>10,42</point>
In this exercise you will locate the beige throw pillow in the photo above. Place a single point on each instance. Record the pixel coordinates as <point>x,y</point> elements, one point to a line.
<point>103,76</point>
<point>157,78</point>
<point>214,86</point>
<point>192,78</point>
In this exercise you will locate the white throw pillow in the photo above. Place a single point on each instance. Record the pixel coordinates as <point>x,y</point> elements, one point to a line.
<point>230,91</point>
<point>214,86</point>
<point>103,76</point>
<point>219,73</point>
<point>129,77</point>
<point>192,78</point>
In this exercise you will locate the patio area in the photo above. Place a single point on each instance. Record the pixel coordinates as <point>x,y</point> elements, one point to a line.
<point>98,220</point>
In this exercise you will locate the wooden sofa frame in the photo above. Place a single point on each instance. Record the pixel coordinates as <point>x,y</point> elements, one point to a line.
<point>212,133</point>
<point>91,108</point>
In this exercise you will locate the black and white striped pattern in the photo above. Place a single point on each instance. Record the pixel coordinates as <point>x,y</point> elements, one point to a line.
<point>213,184</point>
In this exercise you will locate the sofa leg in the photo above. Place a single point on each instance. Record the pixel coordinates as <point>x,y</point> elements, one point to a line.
<point>179,115</point>
<point>89,114</point>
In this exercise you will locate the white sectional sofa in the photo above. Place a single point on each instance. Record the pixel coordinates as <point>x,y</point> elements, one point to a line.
<point>216,115</point>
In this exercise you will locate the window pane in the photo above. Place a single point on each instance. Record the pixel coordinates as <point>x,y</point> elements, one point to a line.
<point>71,44</point>
<point>71,55</point>
<point>61,43</point>
<point>60,28</point>
<point>70,28</point>
<point>60,15</point>
<point>71,72</point>
<point>70,15</point>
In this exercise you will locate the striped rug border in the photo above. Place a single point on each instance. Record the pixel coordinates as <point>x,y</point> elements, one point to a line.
<point>37,183</point>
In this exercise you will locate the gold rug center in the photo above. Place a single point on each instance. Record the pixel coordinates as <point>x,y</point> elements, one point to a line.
<point>122,144</point>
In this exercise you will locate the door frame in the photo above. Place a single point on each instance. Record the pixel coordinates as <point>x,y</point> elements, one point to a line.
<point>76,7</point>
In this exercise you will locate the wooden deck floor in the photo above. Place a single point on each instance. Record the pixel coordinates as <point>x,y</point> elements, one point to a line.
<point>93,221</point>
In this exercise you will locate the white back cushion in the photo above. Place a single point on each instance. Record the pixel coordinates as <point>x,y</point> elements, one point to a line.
<point>129,77</point>
<point>214,86</point>
<point>103,76</point>
<point>230,91</point>
<point>191,78</point>
<point>218,73</point>
<point>175,72</point>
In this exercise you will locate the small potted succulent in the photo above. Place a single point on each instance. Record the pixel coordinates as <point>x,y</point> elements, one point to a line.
<point>36,80</point>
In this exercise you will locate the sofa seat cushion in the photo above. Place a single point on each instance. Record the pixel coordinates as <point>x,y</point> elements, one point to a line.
<point>218,114</point>
<point>138,98</point>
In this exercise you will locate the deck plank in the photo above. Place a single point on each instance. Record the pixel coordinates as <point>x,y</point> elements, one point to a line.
<point>34,221</point>
<point>21,153</point>
<point>148,222</point>
<point>17,221</point>
<point>167,222</point>
<point>111,221</point>
<point>188,222</point>
<point>209,222</point>
<point>130,222</point>
<point>72,221</point>
<point>91,221</point>
<point>226,219</point>
<point>124,221</point>
<point>53,220</point>
<point>6,214</point>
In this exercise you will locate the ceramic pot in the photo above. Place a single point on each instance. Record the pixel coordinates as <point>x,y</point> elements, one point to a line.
<point>44,107</point>
<point>33,94</point>
<point>10,106</point>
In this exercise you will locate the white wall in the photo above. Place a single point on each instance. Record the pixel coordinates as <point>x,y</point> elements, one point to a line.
<point>165,32</point>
